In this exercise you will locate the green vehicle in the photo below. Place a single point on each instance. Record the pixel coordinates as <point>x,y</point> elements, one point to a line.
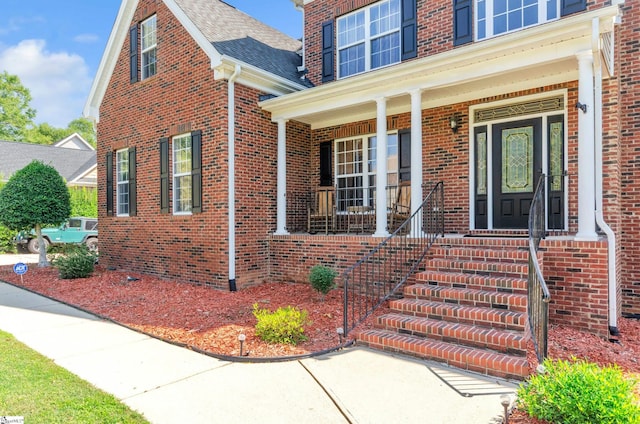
<point>77,230</point>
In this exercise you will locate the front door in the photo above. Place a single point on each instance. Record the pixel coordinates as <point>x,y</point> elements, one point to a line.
<point>517,164</point>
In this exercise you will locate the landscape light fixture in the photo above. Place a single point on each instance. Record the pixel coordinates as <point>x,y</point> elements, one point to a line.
<point>340,332</point>
<point>505,401</point>
<point>241,339</point>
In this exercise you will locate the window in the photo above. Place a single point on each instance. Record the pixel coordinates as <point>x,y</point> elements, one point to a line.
<point>495,17</point>
<point>356,183</point>
<point>122,181</point>
<point>182,182</point>
<point>148,44</point>
<point>369,38</point>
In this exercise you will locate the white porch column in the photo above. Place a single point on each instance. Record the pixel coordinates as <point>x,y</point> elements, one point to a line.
<point>586,150</point>
<point>416,158</point>
<point>381,175</point>
<point>281,194</point>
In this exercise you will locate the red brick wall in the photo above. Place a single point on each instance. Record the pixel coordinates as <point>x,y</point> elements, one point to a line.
<point>183,96</point>
<point>435,27</point>
<point>576,274</point>
<point>292,257</point>
<point>628,71</point>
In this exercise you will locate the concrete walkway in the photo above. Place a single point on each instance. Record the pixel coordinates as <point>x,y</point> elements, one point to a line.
<point>169,384</point>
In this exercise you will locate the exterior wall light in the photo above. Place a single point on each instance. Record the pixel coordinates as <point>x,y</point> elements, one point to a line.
<point>454,124</point>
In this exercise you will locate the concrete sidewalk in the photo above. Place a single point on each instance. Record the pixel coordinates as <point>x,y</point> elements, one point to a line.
<point>169,384</point>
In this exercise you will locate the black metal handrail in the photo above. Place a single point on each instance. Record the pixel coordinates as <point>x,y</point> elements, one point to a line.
<point>537,291</point>
<point>377,276</point>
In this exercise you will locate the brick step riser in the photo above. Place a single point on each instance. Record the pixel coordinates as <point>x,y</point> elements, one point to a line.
<point>484,317</point>
<point>477,254</point>
<point>467,297</point>
<point>480,242</point>
<point>488,269</point>
<point>472,281</point>
<point>476,360</point>
<point>512,343</point>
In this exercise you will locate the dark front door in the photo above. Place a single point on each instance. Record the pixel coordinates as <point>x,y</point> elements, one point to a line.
<point>517,164</point>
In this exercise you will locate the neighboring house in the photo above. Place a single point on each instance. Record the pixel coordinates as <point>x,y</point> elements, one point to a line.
<point>199,107</point>
<point>72,157</point>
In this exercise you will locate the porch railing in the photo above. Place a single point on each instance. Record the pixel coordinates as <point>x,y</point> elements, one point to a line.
<point>538,293</point>
<point>337,210</point>
<point>377,276</point>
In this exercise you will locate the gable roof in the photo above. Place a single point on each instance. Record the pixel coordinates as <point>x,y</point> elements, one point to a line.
<point>268,59</point>
<point>76,166</point>
<point>74,141</point>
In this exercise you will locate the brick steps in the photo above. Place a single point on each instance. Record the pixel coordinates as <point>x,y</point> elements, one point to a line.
<point>468,297</point>
<point>473,281</point>
<point>511,342</point>
<point>466,358</point>
<point>468,308</point>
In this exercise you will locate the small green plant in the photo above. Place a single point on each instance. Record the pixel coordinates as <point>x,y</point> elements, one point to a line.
<point>285,325</point>
<point>322,279</point>
<point>580,392</point>
<point>76,262</point>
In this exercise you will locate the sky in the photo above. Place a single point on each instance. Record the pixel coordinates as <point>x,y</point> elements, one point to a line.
<point>55,46</point>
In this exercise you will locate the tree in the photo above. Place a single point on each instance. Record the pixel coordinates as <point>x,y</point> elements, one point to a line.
<point>84,127</point>
<point>35,196</point>
<point>16,116</point>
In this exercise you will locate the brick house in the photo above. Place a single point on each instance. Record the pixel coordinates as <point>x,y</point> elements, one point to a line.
<point>199,107</point>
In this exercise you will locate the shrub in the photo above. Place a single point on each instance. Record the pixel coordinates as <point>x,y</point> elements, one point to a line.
<point>77,262</point>
<point>322,279</point>
<point>579,392</point>
<point>6,240</point>
<point>285,325</point>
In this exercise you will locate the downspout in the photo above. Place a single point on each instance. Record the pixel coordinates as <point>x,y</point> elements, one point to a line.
<point>611,237</point>
<point>231,160</point>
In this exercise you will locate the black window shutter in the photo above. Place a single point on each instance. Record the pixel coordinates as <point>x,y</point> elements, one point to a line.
<point>109,164</point>
<point>196,171</point>
<point>328,52</point>
<point>133,53</point>
<point>325,164</point>
<point>409,29</point>
<point>164,175</point>
<point>462,22</point>
<point>404,154</point>
<point>133,200</point>
<point>568,7</point>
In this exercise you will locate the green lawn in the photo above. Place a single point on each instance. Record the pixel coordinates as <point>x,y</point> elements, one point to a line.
<point>34,387</point>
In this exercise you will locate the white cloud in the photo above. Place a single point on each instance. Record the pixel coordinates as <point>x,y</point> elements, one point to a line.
<point>58,81</point>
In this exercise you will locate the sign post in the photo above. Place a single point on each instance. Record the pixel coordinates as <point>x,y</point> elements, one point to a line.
<point>20,268</point>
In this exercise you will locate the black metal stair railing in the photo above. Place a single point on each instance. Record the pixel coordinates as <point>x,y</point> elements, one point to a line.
<point>537,291</point>
<point>382,272</point>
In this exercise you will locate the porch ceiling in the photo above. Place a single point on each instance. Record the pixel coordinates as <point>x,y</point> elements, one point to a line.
<point>531,58</point>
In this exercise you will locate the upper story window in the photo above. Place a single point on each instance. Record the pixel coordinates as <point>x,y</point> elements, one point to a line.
<point>182,186</point>
<point>122,181</point>
<point>369,38</point>
<point>148,47</point>
<point>495,17</point>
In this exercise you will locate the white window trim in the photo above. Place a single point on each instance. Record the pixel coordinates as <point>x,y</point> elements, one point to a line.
<point>489,16</point>
<point>366,40</point>
<point>149,48</point>
<point>366,160</point>
<point>122,153</point>
<point>177,175</point>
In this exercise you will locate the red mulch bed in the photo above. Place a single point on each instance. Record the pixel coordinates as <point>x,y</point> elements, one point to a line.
<point>199,317</point>
<point>211,320</point>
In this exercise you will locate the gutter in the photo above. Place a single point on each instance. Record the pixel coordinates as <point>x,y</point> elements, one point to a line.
<point>231,129</point>
<point>611,237</point>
